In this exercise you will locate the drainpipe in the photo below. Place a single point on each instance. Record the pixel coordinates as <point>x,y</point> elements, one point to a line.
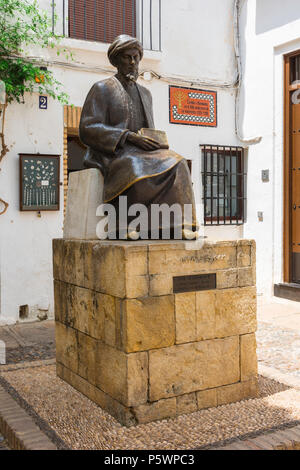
<point>250,140</point>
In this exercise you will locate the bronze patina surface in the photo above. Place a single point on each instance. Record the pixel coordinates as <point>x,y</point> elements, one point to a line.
<point>114,111</point>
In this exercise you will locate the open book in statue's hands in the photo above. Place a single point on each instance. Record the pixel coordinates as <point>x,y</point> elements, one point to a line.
<point>158,136</point>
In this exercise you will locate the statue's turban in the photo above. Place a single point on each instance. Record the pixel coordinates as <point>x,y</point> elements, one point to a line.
<point>121,43</point>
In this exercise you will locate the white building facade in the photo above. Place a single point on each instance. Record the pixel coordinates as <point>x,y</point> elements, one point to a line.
<point>188,44</point>
<point>270,48</point>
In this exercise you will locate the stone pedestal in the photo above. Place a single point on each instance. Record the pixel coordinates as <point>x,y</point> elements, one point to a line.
<point>143,352</point>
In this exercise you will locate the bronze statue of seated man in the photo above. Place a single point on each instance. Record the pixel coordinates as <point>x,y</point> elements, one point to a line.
<point>133,165</point>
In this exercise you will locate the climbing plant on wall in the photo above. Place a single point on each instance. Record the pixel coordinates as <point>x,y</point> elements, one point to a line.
<point>24,24</point>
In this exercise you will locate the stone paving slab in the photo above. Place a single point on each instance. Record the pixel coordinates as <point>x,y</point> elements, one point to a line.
<point>279,348</point>
<point>18,428</point>
<point>29,341</point>
<point>287,439</point>
<point>279,312</point>
<point>31,333</point>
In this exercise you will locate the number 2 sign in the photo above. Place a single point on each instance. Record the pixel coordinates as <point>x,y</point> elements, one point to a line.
<point>43,102</point>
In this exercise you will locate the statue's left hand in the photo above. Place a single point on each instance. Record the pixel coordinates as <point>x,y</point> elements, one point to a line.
<point>143,142</point>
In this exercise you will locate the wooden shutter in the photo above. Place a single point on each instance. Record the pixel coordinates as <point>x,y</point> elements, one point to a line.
<point>101,20</point>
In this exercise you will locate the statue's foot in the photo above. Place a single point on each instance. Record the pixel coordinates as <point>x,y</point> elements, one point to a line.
<point>189,234</point>
<point>186,235</point>
<point>133,235</point>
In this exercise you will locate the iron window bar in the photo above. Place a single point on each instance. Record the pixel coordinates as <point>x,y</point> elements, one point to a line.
<point>224,183</point>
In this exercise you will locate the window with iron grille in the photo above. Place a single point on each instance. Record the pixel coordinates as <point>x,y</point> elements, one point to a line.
<point>101,20</point>
<point>224,185</point>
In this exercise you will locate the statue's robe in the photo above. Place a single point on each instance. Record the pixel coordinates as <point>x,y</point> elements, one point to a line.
<point>159,176</point>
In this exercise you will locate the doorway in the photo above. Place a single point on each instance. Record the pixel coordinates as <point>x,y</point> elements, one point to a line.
<point>73,148</point>
<point>292,169</point>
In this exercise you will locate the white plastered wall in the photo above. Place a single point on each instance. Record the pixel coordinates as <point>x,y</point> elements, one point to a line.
<point>197,43</point>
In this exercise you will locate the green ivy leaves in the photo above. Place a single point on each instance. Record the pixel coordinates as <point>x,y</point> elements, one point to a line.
<point>22,24</point>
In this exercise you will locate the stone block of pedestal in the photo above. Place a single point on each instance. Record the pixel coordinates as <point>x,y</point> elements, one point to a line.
<point>85,194</point>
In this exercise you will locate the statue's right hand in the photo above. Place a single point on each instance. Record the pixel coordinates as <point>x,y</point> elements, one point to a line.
<point>145,143</point>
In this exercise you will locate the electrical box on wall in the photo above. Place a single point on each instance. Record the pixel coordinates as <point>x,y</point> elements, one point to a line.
<point>265,176</point>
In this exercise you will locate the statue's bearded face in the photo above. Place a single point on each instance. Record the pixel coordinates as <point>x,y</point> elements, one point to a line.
<point>128,63</point>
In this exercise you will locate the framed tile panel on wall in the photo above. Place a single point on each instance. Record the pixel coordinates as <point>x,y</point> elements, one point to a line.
<point>39,182</point>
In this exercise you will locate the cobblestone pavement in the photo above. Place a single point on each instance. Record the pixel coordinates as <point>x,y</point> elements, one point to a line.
<point>80,424</point>
<point>3,445</point>
<point>36,352</point>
